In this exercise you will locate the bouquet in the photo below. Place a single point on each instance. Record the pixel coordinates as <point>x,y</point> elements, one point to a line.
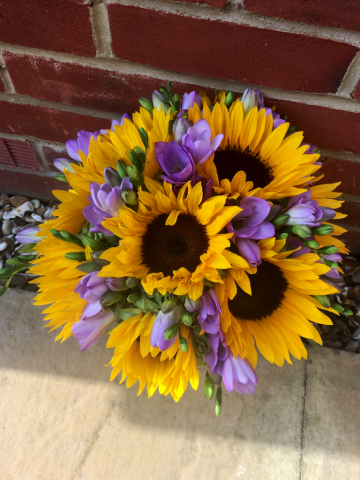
<point>193,235</point>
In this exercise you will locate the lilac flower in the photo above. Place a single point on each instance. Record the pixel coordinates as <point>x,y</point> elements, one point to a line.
<point>250,225</point>
<point>91,288</point>
<point>89,330</point>
<point>175,161</point>
<point>328,214</point>
<point>105,203</point>
<point>161,323</point>
<point>277,121</point>
<point>197,141</point>
<point>252,98</point>
<point>28,234</point>
<point>189,99</point>
<point>192,305</point>
<point>210,311</point>
<point>235,372</point>
<point>304,211</point>
<point>181,126</point>
<point>117,284</point>
<point>116,122</point>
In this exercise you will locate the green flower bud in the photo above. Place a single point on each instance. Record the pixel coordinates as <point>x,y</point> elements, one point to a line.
<point>131,282</point>
<point>135,161</point>
<point>121,169</point>
<point>79,256</point>
<point>56,234</point>
<point>186,318</point>
<point>337,307</point>
<point>209,388</point>
<point>311,244</point>
<point>144,102</point>
<point>146,304</point>
<point>169,87</point>
<point>172,331</point>
<point>169,305</point>
<point>347,311</point>
<point>327,250</point>
<point>110,297</point>
<point>323,230</point>
<point>183,344</point>
<point>302,231</point>
<point>133,297</point>
<point>93,244</point>
<point>125,313</point>
<point>280,220</point>
<point>283,235</point>
<point>88,267</point>
<point>218,401</point>
<point>324,300</point>
<point>329,263</point>
<point>229,99</point>
<point>129,196</point>
<point>141,155</point>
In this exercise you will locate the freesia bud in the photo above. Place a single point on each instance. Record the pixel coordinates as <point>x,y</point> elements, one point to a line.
<point>131,282</point>
<point>323,230</point>
<point>218,401</point>
<point>180,128</point>
<point>117,284</point>
<point>171,331</point>
<point>63,164</point>
<point>209,388</point>
<point>144,102</point>
<point>129,196</point>
<point>159,102</point>
<point>302,231</point>
<point>324,300</point>
<point>110,297</point>
<point>169,305</point>
<point>337,307</point>
<point>183,344</point>
<point>192,305</point>
<point>229,99</point>
<point>280,220</point>
<point>186,318</point>
<point>28,235</point>
<point>112,178</point>
<point>327,250</point>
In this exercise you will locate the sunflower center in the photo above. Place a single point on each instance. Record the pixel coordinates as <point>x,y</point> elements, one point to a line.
<point>232,160</point>
<point>170,247</point>
<point>268,287</point>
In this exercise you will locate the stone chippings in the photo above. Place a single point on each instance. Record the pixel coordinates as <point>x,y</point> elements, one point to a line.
<point>15,213</point>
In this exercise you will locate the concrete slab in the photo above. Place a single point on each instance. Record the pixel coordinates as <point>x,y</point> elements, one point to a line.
<point>331,438</point>
<point>61,418</point>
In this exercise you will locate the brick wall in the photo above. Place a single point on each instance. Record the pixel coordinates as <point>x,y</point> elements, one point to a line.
<point>68,65</point>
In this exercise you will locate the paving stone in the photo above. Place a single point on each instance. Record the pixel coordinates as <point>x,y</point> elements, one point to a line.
<point>332,420</point>
<point>63,419</point>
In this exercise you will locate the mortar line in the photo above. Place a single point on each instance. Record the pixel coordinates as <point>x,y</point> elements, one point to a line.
<point>331,101</point>
<point>302,427</point>
<point>351,78</point>
<point>49,174</point>
<point>235,13</point>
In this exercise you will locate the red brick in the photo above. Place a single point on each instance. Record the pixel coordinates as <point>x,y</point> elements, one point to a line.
<point>230,51</point>
<point>82,85</point>
<point>328,128</point>
<point>212,3</point>
<point>50,154</point>
<point>352,210</point>
<point>36,186</point>
<point>46,123</point>
<point>348,173</point>
<point>352,241</point>
<point>329,13</point>
<point>47,24</point>
<point>356,92</point>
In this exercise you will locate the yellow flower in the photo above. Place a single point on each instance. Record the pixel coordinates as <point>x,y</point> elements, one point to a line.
<point>278,309</point>
<point>253,159</point>
<point>170,371</point>
<point>172,243</point>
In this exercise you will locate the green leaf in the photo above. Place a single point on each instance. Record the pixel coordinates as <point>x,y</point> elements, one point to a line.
<point>121,169</point>
<point>93,244</point>
<point>14,271</point>
<point>110,297</point>
<point>125,313</point>
<point>71,238</point>
<point>29,247</point>
<point>337,307</point>
<point>146,304</point>
<point>144,102</point>
<point>324,300</point>
<point>61,177</point>
<point>79,256</point>
<point>280,220</point>
<point>144,137</point>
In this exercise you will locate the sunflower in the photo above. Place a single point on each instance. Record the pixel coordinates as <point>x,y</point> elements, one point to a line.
<point>172,243</point>
<point>279,309</point>
<point>59,277</point>
<point>253,158</point>
<point>170,371</point>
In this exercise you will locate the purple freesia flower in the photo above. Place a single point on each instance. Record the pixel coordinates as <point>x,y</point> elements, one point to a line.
<point>206,185</point>
<point>236,372</point>
<point>304,211</point>
<point>197,142</point>
<point>293,243</point>
<point>175,161</point>
<point>252,98</point>
<point>81,143</point>
<point>250,224</point>
<point>63,164</point>
<point>189,99</point>
<point>116,122</point>
<point>105,203</point>
<point>28,234</point>
<point>210,311</point>
<point>89,330</point>
<point>91,288</point>
<point>161,323</point>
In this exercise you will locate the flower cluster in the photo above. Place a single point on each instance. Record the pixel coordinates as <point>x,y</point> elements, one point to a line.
<point>194,235</point>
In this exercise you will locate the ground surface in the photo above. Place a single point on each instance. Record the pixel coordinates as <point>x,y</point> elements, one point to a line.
<point>61,418</point>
